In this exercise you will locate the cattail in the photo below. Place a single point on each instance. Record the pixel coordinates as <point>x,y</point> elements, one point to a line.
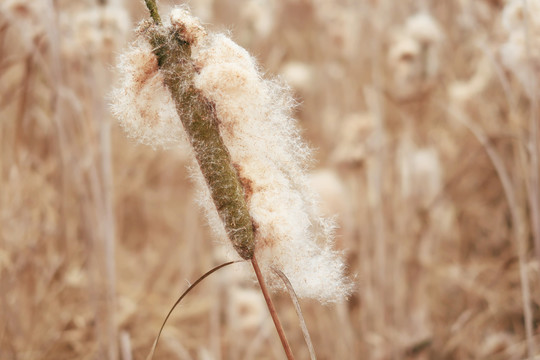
<point>204,9</point>
<point>252,161</point>
<point>414,55</point>
<point>340,24</point>
<point>520,53</point>
<point>260,17</point>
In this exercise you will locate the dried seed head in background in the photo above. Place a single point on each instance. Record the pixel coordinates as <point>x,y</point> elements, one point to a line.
<point>421,173</point>
<point>520,53</point>
<point>414,55</point>
<point>142,103</point>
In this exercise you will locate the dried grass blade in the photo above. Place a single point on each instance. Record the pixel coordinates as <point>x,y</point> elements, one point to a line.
<point>204,276</point>
<point>296,303</point>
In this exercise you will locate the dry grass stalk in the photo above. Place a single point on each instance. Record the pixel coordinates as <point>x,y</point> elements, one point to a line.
<point>518,226</point>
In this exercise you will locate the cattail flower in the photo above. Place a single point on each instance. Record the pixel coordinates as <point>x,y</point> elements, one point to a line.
<point>521,52</point>
<point>260,17</point>
<point>404,62</point>
<point>334,196</point>
<point>515,14</point>
<point>101,28</point>
<point>414,55</point>
<point>252,161</point>
<point>423,28</point>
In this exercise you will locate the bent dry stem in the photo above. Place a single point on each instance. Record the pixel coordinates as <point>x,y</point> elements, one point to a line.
<point>184,294</point>
<point>200,121</point>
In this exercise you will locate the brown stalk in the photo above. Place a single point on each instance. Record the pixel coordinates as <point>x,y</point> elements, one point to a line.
<point>272,309</point>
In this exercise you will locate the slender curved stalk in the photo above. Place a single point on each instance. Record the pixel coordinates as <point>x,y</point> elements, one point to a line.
<point>518,223</point>
<point>204,276</point>
<point>152,7</point>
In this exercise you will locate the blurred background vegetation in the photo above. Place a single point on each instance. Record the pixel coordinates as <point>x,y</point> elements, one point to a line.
<point>424,117</point>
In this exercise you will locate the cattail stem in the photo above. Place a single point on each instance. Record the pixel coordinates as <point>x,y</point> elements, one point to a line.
<point>272,310</point>
<point>152,7</point>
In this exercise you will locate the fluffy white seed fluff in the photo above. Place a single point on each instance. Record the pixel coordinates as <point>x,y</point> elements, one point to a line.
<point>188,25</point>
<point>142,103</point>
<point>270,157</point>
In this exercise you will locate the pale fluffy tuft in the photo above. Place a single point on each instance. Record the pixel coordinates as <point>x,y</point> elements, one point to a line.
<point>142,103</point>
<point>270,157</point>
<point>188,25</point>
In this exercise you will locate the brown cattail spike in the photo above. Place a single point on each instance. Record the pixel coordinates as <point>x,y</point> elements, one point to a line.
<point>198,116</point>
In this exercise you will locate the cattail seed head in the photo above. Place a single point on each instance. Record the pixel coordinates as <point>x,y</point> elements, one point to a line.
<point>251,158</point>
<point>414,55</point>
<point>270,157</point>
<point>520,53</point>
